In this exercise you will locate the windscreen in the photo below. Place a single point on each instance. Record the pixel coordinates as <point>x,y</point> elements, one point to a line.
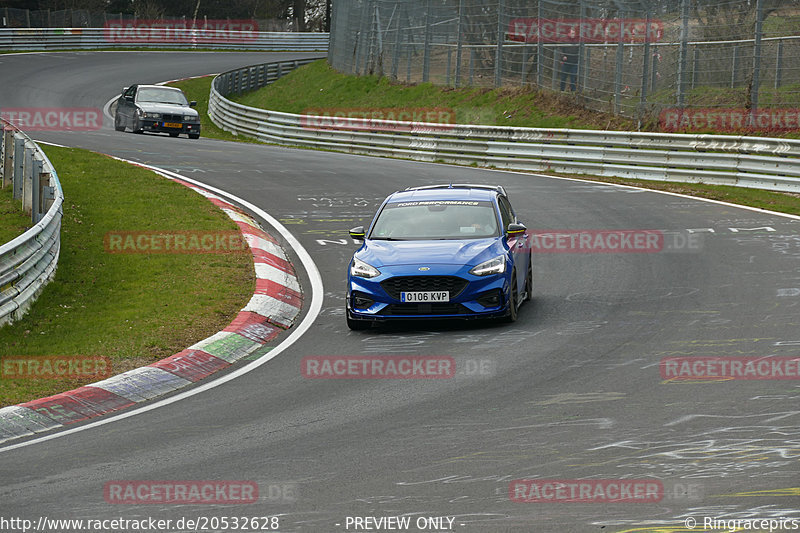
<point>436,219</point>
<point>162,96</point>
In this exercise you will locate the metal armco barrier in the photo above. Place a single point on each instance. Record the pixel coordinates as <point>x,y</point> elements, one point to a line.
<point>29,262</point>
<point>93,38</point>
<point>756,162</point>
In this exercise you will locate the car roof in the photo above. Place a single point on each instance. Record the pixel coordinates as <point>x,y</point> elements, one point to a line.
<point>157,87</point>
<point>448,192</point>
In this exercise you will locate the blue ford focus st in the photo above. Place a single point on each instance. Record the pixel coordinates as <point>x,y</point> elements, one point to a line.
<point>441,251</point>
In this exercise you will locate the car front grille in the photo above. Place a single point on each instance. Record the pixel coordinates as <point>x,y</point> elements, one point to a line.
<point>424,309</point>
<point>394,286</point>
<point>173,118</point>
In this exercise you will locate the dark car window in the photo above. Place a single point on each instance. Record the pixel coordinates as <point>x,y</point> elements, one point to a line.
<point>162,96</point>
<point>131,90</point>
<point>436,219</point>
<point>506,212</point>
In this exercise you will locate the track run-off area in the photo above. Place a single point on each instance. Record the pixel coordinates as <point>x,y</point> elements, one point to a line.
<point>572,391</point>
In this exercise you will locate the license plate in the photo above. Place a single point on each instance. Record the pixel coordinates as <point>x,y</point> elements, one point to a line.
<point>427,296</point>
<point>173,125</point>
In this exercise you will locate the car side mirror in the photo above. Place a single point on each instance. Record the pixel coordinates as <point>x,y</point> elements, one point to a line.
<point>515,230</point>
<point>129,97</point>
<point>357,233</point>
<point>193,103</point>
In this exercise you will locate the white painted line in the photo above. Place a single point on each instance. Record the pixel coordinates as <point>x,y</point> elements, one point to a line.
<point>314,309</point>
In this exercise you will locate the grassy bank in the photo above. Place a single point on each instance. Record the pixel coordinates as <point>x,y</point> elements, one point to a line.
<point>13,221</point>
<point>134,308</point>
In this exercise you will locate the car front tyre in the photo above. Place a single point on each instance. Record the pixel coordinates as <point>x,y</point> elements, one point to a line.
<point>513,301</point>
<point>194,135</point>
<point>529,283</point>
<point>118,125</point>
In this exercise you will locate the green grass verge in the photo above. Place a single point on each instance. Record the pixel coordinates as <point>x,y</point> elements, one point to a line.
<point>317,85</point>
<point>132,308</point>
<point>13,221</point>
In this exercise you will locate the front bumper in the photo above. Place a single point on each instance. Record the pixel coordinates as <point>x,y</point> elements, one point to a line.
<point>161,126</point>
<point>481,296</point>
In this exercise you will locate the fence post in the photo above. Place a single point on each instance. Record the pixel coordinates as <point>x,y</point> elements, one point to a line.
<point>682,54</point>
<point>778,61</point>
<point>756,60</point>
<point>498,55</point>
<point>396,51</point>
<point>539,45</point>
<point>460,41</point>
<point>35,187</point>
<point>426,61</point>
<point>27,181</point>
<point>8,157</point>
<point>19,167</point>
<point>695,57</point>
<point>645,63</point>
<point>734,65</point>
<point>620,60</point>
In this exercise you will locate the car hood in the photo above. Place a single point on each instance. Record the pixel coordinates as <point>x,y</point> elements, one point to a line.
<point>172,109</point>
<point>460,252</point>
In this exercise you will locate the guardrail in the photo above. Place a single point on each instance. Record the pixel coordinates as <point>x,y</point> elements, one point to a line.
<point>757,162</point>
<point>28,262</point>
<point>93,38</point>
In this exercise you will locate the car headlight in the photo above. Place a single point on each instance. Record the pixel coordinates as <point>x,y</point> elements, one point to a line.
<point>151,115</point>
<point>492,266</point>
<point>360,269</point>
<point>190,118</point>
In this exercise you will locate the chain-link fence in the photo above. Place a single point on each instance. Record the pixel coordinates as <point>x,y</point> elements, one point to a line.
<point>634,58</point>
<point>81,18</point>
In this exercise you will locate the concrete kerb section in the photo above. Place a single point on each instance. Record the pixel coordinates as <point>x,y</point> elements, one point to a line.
<point>274,307</point>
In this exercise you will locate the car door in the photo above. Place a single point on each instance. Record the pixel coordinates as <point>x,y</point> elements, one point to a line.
<point>126,105</point>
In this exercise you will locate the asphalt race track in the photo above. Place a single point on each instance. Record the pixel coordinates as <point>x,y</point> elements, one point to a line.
<point>573,390</point>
